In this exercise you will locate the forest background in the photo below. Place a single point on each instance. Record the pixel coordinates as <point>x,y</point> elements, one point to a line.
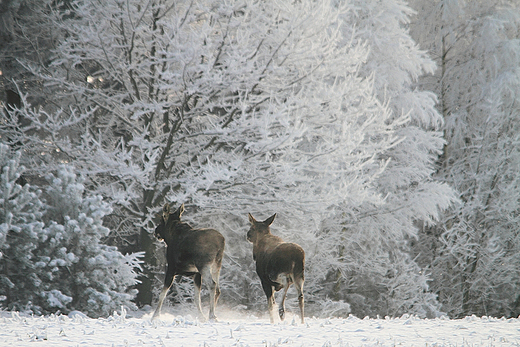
<point>383,133</point>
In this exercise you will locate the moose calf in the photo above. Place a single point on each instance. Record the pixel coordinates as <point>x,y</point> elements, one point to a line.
<point>278,264</point>
<point>190,252</point>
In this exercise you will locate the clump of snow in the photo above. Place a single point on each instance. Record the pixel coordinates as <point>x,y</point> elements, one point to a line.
<point>241,329</point>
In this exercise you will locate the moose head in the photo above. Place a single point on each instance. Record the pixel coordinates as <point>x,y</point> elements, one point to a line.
<point>167,217</point>
<point>259,228</point>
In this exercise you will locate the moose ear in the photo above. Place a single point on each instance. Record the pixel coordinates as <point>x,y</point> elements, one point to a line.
<point>178,213</point>
<point>166,211</point>
<point>270,220</point>
<point>181,210</point>
<point>252,219</point>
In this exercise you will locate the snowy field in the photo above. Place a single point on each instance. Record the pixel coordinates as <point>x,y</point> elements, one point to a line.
<point>236,329</point>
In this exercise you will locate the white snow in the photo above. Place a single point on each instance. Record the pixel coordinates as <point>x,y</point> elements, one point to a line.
<point>238,329</point>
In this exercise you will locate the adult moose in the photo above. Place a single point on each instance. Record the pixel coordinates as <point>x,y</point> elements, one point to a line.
<point>278,264</point>
<point>190,252</point>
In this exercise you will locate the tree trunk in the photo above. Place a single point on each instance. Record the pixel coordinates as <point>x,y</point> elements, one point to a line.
<point>468,305</point>
<point>146,244</point>
<point>144,297</point>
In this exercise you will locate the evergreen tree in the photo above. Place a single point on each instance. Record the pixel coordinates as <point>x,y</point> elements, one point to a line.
<point>21,231</point>
<point>82,272</point>
<point>51,255</point>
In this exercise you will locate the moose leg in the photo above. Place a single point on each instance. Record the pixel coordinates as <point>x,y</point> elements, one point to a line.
<point>298,283</point>
<point>281,310</point>
<point>167,284</point>
<point>207,279</point>
<point>197,280</point>
<point>214,291</point>
<point>271,304</point>
<point>217,292</point>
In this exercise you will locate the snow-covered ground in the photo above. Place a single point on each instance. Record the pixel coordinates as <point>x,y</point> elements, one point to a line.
<point>237,329</point>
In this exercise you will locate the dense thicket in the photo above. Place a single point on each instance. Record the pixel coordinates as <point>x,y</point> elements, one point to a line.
<point>308,109</point>
<point>473,253</point>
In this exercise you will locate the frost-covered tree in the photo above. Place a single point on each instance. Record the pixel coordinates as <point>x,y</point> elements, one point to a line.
<point>51,255</point>
<point>21,231</point>
<point>25,35</point>
<point>83,273</point>
<point>257,107</point>
<point>375,270</point>
<point>477,249</point>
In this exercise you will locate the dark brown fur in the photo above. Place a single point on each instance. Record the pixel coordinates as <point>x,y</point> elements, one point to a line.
<point>278,264</point>
<point>190,252</point>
